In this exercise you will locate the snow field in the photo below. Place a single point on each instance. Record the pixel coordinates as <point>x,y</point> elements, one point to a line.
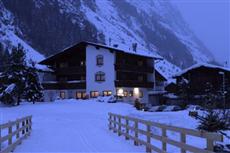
<point>82,126</point>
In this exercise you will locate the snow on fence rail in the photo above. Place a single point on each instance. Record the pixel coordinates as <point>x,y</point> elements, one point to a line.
<point>124,125</point>
<point>13,132</point>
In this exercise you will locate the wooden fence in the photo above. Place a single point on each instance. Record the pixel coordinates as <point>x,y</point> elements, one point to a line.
<point>124,125</point>
<point>15,132</point>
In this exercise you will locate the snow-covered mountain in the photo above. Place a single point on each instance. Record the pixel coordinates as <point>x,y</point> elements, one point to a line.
<point>9,37</point>
<point>51,25</point>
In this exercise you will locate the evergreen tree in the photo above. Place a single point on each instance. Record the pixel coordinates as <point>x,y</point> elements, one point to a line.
<point>15,73</point>
<point>184,91</point>
<point>33,89</point>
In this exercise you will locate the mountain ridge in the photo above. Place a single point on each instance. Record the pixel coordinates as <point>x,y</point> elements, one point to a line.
<point>51,25</point>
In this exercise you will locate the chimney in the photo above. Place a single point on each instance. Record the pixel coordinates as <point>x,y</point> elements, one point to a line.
<point>134,45</point>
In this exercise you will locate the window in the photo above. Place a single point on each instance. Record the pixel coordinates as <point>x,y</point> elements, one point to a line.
<point>125,93</point>
<point>140,78</point>
<point>130,93</point>
<point>141,94</point>
<point>62,94</point>
<point>100,60</point>
<point>100,76</point>
<point>94,94</point>
<point>80,95</point>
<point>63,65</point>
<point>140,63</point>
<point>107,93</point>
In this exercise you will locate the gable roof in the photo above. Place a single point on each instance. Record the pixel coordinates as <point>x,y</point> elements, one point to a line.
<point>120,48</point>
<point>199,65</point>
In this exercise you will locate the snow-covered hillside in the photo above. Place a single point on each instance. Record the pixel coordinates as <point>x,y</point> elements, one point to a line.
<point>52,25</point>
<point>9,37</point>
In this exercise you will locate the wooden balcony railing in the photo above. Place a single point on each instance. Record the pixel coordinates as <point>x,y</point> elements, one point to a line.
<point>133,68</point>
<point>133,83</point>
<point>71,70</point>
<point>64,85</point>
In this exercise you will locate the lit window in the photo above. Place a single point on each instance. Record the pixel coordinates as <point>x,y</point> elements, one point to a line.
<point>120,92</point>
<point>94,94</point>
<point>100,76</point>
<point>80,95</point>
<point>62,94</point>
<point>100,60</point>
<point>130,93</point>
<point>125,93</point>
<point>107,93</point>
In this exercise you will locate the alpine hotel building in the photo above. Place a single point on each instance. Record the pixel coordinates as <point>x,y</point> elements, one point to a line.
<point>89,70</point>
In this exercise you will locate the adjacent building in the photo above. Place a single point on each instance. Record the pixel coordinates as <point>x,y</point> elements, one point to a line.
<point>87,70</point>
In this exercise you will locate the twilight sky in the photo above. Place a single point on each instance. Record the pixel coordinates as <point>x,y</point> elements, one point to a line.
<point>210,20</point>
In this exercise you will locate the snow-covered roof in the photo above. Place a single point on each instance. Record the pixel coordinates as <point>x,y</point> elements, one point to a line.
<point>119,48</point>
<point>129,50</point>
<point>198,65</point>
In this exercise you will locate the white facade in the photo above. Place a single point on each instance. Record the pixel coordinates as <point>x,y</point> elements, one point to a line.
<point>91,69</point>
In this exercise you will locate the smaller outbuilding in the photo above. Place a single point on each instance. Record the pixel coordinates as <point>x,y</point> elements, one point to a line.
<point>201,78</point>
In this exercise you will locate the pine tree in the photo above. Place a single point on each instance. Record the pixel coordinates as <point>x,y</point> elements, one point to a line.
<point>14,74</point>
<point>33,89</point>
<point>184,91</point>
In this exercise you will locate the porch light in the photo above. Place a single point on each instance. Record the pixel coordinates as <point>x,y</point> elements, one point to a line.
<point>120,92</point>
<point>136,91</point>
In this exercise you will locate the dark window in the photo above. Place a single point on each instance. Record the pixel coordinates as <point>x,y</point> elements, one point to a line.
<point>80,95</point>
<point>100,60</point>
<point>141,94</point>
<point>62,94</point>
<point>100,76</point>
<point>94,94</point>
<point>107,93</point>
<point>140,78</point>
<point>63,65</point>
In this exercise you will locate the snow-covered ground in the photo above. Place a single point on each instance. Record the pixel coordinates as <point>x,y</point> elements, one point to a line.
<point>82,126</point>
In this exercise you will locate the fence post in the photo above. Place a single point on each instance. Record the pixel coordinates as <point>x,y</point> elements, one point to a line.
<point>30,123</point>
<point>0,137</point>
<point>148,136</point>
<point>10,134</point>
<point>127,129</point>
<point>23,125</point>
<point>210,145</point>
<point>136,132</point>
<point>110,125</point>
<point>27,125</point>
<point>114,124</point>
<point>164,135</point>
<point>183,140</point>
<point>17,128</point>
<point>119,126</point>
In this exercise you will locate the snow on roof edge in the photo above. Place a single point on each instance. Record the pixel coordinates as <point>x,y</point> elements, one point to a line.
<point>198,65</point>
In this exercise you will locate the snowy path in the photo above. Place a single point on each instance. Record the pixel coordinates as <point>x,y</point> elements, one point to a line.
<point>70,127</point>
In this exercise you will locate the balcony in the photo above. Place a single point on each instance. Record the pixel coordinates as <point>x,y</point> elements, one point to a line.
<point>54,85</point>
<point>70,70</point>
<point>133,83</point>
<point>133,68</point>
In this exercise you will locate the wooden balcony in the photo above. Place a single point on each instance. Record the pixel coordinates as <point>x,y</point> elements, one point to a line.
<point>133,83</point>
<point>71,70</point>
<point>133,68</point>
<point>63,85</point>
